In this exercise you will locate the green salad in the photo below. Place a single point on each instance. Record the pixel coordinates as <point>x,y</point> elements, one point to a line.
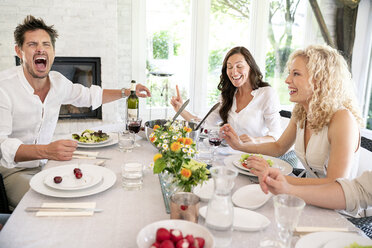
<point>355,245</point>
<point>243,159</point>
<point>90,136</point>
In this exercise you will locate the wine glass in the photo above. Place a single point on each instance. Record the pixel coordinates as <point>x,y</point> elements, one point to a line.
<point>215,140</point>
<point>134,125</point>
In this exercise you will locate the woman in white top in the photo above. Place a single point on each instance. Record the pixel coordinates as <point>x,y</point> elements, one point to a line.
<point>325,121</point>
<point>248,104</point>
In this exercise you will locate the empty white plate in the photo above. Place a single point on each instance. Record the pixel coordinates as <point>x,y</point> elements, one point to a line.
<point>244,220</point>
<point>331,240</point>
<point>205,191</point>
<point>250,196</point>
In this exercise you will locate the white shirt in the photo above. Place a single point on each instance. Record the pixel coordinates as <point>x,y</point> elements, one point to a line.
<point>24,119</point>
<point>258,119</point>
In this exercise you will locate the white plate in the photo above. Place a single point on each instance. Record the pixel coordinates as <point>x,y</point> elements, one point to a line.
<point>112,140</point>
<point>90,177</point>
<point>331,240</point>
<point>96,143</point>
<point>146,237</point>
<point>108,179</point>
<point>233,162</point>
<point>250,196</point>
<point>244,220</point>
<point>205,191</point>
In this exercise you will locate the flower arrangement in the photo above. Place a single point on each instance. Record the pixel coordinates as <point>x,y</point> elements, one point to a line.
<point>176,151</point>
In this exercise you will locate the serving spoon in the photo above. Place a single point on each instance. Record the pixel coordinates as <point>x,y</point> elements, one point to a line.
<point>205,117</point>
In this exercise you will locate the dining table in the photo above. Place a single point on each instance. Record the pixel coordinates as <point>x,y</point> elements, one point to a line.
<point>126,212</point>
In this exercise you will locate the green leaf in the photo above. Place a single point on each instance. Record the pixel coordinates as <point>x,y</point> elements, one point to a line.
<point>159,166</point>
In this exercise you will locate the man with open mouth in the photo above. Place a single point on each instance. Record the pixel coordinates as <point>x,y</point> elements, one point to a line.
<point>30,98</point>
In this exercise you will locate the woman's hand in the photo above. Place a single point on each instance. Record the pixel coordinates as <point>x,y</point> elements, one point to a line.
<point>273,180</point>
<point>231,137</point>
<point>176,101</point>
<point>258,166</point>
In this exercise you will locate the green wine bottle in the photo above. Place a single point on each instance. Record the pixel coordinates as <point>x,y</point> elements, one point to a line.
<point>132,103</point>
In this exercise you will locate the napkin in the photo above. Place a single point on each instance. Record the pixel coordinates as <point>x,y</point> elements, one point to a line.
<point>85,155</point>
<point>67,205</point>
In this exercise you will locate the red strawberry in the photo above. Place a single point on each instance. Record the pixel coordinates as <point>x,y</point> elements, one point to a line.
<point>183,243</point>
<point>199,242</point>
<point>167,244</point>
<point>162,234</point>
<point>176,235</point>
<point>155,245</point>
<point>76,170</point>
<point>190,238</point>
<point>184,207</point>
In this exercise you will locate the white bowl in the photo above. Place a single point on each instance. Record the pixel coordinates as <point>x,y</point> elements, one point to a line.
<point>146,237</point>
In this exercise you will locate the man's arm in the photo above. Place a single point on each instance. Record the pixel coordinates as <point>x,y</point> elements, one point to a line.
<point>112,95</point>
<point>58,150</point>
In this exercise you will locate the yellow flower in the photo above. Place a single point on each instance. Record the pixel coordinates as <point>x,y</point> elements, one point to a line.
<point>175,146</point>
<point>157,156</point>
<point>181,140</point>
<point>156,127</point>
<point>188,141</point>
<point>186,172</point>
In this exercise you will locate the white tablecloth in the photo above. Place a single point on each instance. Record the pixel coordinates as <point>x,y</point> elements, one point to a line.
<point>125,212</point>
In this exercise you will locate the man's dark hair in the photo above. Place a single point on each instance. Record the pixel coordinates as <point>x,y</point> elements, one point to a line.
<point>30,23</point>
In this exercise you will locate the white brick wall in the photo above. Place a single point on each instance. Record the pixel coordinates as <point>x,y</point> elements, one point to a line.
<point>91,28</point>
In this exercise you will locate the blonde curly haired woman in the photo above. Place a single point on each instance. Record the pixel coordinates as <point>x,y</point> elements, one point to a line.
<point>325,121</point>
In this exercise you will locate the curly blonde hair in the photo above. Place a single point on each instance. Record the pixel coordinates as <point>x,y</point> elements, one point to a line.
<point>332,87</point>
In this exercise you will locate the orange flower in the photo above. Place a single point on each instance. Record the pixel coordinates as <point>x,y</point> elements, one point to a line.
<point>186,172</point>
<point>175,146</point>
<point>156,127</point>
<point>157,156</point>
<point>181,140</point>
<point>152,139</point>
<point>187,129</point>
<point>188,141</point>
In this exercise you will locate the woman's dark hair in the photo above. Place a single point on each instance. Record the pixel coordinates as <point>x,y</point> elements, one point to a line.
<point>228,89</point>
<point>30,23</point>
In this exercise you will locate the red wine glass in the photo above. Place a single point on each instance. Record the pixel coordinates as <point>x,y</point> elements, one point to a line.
<point>134,125</point>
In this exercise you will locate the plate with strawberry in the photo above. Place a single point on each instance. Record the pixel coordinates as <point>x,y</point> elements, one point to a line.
<point>174,234</point>
<point>239,161</point>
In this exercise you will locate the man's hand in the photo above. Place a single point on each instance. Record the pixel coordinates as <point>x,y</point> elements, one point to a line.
<point>61,150</point>
<point>176,101</point>
<point>142,91</point>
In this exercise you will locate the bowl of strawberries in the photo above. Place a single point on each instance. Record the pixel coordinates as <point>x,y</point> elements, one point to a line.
<point>174,234</point>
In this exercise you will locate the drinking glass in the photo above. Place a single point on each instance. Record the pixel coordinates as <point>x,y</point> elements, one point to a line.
<point>215,140</point>
<point>132,176</point>
<point>288,209</point>
<point>134,125</point>
<point>126,141</point>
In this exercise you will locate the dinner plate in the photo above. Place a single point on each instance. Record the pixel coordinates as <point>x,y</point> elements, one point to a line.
<point>112,140</point>
<point>108,179</point>
<point>233,162</point>
<point>250,196</point>
<point>244,219</point>
<point>205,191</point>
<point>91,176</point>
<point>96,143</point>
<point>331,240</point>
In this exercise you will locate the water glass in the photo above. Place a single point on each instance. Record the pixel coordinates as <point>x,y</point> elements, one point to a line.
<point>126,141</point>
<point>184,206</point>
<point>204,152</point>
<point>288,209</point>
<point>132,176</point>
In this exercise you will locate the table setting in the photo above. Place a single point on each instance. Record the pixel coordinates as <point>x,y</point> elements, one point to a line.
<point>103,211</point>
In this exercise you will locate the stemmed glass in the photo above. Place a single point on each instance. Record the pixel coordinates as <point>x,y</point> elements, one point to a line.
<point>134,125</point>
<point>215,140</point>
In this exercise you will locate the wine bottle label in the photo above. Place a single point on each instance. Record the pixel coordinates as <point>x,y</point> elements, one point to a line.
<point>132,114</point>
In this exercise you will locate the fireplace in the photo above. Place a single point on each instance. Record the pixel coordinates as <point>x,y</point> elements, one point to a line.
<point>79,70</point>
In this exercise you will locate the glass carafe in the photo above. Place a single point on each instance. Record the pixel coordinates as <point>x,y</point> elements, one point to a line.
<point>220,211</point>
